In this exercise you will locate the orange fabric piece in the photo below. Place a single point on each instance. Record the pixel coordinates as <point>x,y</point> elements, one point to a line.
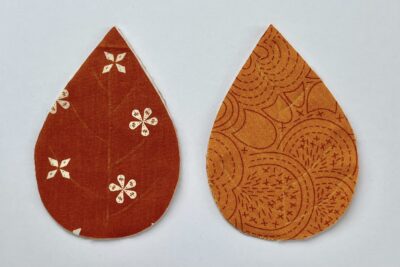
<point>282,158</point>
<point>107,159</point>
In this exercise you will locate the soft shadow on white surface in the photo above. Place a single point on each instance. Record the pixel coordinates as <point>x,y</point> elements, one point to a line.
<point>193,50</point>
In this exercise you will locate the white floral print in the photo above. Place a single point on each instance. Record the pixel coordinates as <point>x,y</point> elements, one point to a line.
<point>124,189</point>
<point>143,121</point>
<point>64,163</point>
<point>110,57</point>
<point>61,101</point>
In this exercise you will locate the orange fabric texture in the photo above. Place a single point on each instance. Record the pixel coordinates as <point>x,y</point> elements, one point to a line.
<point>282,159</point>
<point>107,158</point>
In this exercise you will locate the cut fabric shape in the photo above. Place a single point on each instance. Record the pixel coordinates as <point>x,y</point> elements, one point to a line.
<point>85,150</point>
<point>282,159</point>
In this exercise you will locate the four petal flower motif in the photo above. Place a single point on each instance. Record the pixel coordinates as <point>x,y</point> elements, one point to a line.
<point>63,164</point>
<point>123,188</point>
<point>111,58</point>
<point>143,121</point>
<point>61,101</point>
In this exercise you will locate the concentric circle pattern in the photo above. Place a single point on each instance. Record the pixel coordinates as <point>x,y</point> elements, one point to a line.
<point>282,159</point>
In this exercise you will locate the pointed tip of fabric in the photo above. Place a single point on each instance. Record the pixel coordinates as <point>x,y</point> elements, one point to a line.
<point>113,29</point>
<point>272,30</point>
<point>271,27</point>
<point>113,38</point>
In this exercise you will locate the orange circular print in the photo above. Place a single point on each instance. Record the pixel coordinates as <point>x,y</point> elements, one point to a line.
<point>282,159</point>
<point>107,158</point>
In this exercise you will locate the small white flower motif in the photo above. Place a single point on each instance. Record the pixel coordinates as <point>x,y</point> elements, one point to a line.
<point>110,57</point>
<point>61,101</point>
<point>143,121</point>
<point>63,164</point>
<point>123,188</point>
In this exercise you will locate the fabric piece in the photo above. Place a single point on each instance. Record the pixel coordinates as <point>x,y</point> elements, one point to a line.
<point>107,158</point>
<point>282,159</point>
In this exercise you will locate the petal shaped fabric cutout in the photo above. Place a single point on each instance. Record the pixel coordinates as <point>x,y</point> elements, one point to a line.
<point>95,169</point>
<point>294,176</point>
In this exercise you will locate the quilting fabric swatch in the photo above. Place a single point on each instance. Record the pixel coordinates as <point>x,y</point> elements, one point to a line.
<point>107,158</point>
<point>282,158</point>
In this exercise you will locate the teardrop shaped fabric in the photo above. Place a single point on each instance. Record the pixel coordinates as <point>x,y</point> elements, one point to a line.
<point>107,158</point>
<point>282,158</point>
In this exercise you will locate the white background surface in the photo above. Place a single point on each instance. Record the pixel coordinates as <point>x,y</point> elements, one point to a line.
<point>193,50</point>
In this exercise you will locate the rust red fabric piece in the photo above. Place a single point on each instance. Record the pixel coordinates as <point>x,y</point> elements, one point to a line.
<point>107,157</point>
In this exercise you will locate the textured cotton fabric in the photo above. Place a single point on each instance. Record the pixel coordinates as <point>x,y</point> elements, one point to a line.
<point>282,159</point>
<point>107,159</point>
